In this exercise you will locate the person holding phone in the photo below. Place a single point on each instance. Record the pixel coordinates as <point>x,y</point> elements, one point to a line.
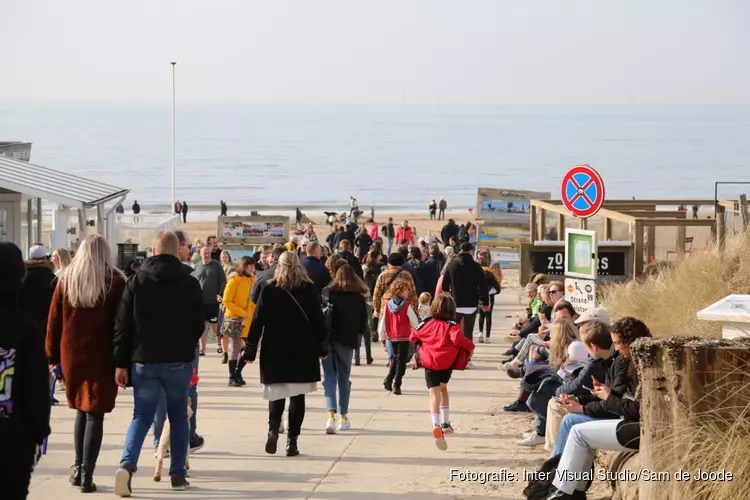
<point>619,432</point>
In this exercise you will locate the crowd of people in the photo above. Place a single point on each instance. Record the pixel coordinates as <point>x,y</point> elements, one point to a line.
<point>147,327</point>
<point>578,380</point>
<point>314,304</point>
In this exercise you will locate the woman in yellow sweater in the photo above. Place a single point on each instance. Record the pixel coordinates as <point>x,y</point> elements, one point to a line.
<point>238,316</point>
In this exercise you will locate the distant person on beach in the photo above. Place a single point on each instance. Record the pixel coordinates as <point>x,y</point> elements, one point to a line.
<point>223,208</point>
<point>353,205</point>
<point>310,235</point>
<point>372,213</point>
<point>136,208</point>
<point>177,207</point>
<point>298,218</point>
<point>120,209</point>
<point>374,230</point>
<point>184,211</point>
<point>695,211</point>
<point>433,208</point>
<point>390,234</point>
<point>450,230</point>
<point>346,254</point>
<point>363,242</point>
<point>443,205</point>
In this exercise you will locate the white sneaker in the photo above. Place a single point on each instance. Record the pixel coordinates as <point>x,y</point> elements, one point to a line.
<point>532,440</point>
<point>528,434</point>
<point>480,339</point>
<point>470,366</point>
<point>331,426</point>
<point>283,426</point>
<point>344,424</point>
<point>486,340</point>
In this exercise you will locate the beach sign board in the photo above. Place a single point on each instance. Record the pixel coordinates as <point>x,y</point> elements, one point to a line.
<point>734,313</point>
<point>506,205</point>
<point>492,234</point>
<point>582,191</point>
<point>254,229</point>
<point>581,293</point>
<point>580,254</point>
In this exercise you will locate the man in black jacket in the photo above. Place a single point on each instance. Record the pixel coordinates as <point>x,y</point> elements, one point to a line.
<point>37,289</point>
<point>390,234</point>
<point>262,277</point>
<point>159,321</point>
<point>464,279</point>
<point>315,269</point>
<point>345,253</point>
<point>449,230</point>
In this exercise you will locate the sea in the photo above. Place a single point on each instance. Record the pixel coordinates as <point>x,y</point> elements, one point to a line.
<point>394,158</point>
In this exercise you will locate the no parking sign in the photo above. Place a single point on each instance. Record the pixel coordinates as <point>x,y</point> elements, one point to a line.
<point>582,191</point>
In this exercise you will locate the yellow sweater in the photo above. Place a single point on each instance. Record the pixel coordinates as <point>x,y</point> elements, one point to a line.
<point>237,300</point>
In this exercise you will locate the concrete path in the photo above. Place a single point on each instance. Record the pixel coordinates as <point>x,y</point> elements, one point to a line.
<point>388,454</point>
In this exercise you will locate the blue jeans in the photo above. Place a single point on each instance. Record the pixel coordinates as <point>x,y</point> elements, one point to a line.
<point>567,423</point>
<point>389,348</point>
<point>336,370</point>
<point>161,409</point>
<point>148,380</point>
<point>390,247</point>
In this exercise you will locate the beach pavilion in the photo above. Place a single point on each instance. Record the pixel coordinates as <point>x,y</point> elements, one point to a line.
<point>24,186</point>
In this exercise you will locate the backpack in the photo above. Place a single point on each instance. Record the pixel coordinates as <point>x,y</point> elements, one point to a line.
<point>463,235</point>
<point>371,277</point>
<point>384,230</point>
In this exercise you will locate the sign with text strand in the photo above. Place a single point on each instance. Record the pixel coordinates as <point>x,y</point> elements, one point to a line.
<point>581,293</point>
<point>582,191</point>
<point>580,253</point>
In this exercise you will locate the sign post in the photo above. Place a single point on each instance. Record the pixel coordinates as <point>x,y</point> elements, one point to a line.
<point>582,193</point>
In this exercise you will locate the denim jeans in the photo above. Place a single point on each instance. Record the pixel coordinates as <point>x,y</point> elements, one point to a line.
<point>148,380</point>
<point>389,348</point>
<point>390,247</point>
<point>538,401</point>
<point>567,423</point>
<point>336,370</point>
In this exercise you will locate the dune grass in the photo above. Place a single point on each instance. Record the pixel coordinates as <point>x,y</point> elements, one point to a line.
<point>668,303</point>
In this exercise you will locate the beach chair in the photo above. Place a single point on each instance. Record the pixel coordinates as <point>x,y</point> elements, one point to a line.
<point>688,248</point>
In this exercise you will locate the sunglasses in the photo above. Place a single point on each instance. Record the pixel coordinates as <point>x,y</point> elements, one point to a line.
<point>555,291</point>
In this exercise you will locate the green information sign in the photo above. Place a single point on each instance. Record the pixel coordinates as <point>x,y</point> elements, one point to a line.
<point>580,253</point>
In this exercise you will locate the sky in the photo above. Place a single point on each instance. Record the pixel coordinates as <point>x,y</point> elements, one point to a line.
<point>467,52</point>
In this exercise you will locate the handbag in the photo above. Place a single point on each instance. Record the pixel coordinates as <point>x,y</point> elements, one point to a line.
<point>232,326</point>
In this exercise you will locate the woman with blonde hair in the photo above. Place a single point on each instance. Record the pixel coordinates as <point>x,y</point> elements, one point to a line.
<point>60,259</point>
<point>226,263</point>
<point>237,317</point>
<point>289,328</point>
<point>80,331</point>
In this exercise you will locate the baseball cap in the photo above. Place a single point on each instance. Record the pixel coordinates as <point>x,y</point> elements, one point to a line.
<point>37,252</point>
<point>596,314</point>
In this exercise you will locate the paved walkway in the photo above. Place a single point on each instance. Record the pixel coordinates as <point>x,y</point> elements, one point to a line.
<point>388,454</point>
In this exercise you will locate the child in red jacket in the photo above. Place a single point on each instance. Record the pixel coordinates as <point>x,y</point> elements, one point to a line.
<point>396,325</point>
<point>442,348</point>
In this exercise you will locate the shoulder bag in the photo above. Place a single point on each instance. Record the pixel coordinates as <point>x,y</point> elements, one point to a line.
<point>232,326</point>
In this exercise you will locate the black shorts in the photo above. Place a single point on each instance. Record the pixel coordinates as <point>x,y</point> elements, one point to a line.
<point>212,312</point>
<point>436,377</point>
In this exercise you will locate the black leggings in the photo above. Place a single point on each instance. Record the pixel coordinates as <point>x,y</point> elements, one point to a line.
<point>486,317</point>
<point>88,433</point>
<point>398,364</point>
<point>296,414</point>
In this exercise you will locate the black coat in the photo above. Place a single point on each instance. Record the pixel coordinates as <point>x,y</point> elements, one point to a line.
<point>533,325</point>
<point>417,270</point>
<point>354,262</point>
<point>464,278</point>
<point>349,318</point>
<point>363,243</point>
<point>36,293</point>
<point>261,278</point>
<point>431,274</point>
<point>161,315</point>
<point>291,341</point>
<point>317,271</point>
<point>448,231</point>
<point>619,380</point>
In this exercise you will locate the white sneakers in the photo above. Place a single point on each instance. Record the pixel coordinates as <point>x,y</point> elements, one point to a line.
<point>532,440</point>
<point>344,425</point>
<point>331,426</point>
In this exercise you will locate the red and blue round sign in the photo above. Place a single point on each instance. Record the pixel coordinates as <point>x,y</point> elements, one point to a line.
<point>582,191</point>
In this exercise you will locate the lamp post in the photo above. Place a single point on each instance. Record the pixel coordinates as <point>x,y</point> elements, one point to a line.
<point>174,195</point>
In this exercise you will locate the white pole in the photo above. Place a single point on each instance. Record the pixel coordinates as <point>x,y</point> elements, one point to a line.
<point>174,196</point>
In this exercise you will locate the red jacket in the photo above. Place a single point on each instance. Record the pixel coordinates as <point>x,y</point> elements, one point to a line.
<point>444,346</point>
<point>398,322</point>
<point>407,235</point>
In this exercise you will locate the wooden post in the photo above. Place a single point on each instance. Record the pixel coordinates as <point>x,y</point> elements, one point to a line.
<point>743,211</point>
<point>720,228</point>
<point>690,389</point>
<point>681,232</point>
<point>532,224</point>
<point>651,243</point>
<point>638,249</point>
<point>560,227</point>
<point>607,228</point>
<point>542,224</point>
